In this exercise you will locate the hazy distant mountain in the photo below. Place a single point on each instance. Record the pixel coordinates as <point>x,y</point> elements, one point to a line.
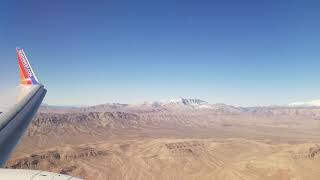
<point>169,105</point>
<point>106,119</point>
<point>181,104</point>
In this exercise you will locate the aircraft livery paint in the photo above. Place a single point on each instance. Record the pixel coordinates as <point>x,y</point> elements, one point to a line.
<point>27,75</point>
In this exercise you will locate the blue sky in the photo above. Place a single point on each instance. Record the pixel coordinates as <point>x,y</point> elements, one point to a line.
<point>236,52</point>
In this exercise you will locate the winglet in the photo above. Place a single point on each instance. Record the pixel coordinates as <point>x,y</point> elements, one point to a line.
<point>27,76</point>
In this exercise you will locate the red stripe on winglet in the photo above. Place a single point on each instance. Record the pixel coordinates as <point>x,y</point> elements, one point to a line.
<point>22,69</point>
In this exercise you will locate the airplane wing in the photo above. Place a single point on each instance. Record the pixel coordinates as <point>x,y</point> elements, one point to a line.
<point>15,119</point>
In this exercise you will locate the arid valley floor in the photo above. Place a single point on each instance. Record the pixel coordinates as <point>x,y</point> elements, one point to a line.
<point>177,140</point>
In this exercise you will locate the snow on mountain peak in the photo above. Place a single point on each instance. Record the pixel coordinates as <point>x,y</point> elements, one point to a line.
<point>178,102</point>
<point>186,101</point>
<point>308,103</point>
<point>193,101</point>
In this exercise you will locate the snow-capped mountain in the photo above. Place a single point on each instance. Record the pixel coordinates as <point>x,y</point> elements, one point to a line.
<point>186,101</point>
<point>308,103</point>
<point>192,102</point>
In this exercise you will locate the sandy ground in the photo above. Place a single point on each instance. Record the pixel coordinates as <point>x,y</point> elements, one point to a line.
<point>267,144</point>
<point>234,159</point>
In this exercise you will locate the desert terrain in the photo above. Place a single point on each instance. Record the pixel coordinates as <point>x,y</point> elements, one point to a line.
<point>183,139</point>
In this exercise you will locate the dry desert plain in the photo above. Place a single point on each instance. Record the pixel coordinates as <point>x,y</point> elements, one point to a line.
<point>178,140</point>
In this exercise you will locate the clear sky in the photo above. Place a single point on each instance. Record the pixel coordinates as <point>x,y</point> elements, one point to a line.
<point>244,52</point>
